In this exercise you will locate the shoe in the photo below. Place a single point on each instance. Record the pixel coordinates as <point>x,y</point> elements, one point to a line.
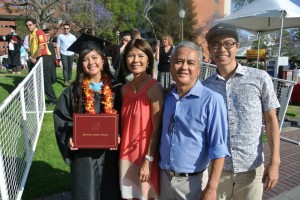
<point>13,72</point>
<point>18,72</point>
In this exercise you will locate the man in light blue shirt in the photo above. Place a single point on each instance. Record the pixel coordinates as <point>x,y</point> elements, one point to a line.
<point>64,41</point>
<point>194,131</point>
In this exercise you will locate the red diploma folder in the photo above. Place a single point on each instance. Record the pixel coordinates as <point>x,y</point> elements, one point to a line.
<point>97,131</point>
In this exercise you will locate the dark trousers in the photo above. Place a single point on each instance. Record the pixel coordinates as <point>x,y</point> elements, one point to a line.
<point>47,70</point>
<point>67,62</point>
<point>30,65</point>
<point>16,68</point>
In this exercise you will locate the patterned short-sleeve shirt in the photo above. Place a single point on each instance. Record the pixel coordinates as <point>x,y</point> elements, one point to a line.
<point>247,94</point>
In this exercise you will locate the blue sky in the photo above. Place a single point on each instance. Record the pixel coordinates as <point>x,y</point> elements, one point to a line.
<point>297,2</point>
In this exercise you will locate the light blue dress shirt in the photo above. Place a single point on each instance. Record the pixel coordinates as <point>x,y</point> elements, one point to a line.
<point>64,42</point>
<point>194,130</point>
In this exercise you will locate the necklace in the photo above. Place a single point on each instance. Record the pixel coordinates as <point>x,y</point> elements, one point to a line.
<point>89,101</point>
<point>138,83</point>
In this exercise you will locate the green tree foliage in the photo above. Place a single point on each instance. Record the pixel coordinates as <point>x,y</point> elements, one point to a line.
<point>190,21</point>
<point>107,17</point>
<point>42,12</point>
<point>262,43</point>
<point>166,20</point>
<point>89,16</point>
<point>297,33</point>
<point>126,14</point>
<point>99,17</point>
<point>290,43</point>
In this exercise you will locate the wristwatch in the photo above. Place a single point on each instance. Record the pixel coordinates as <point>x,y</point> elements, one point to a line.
<point>149,158</point>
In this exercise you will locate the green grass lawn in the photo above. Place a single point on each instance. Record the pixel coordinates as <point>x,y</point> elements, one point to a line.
<point>293,112</point>
<point>48,174</point>
<point>8,82</point>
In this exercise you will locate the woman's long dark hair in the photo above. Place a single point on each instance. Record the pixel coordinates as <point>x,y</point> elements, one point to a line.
<point>81,75</point>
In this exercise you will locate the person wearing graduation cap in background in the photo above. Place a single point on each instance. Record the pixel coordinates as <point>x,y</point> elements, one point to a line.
<point>53,56</point>
<point>116,59</point>
<point>94,172</point>
<point>14,46</point>
<point>135,34</point>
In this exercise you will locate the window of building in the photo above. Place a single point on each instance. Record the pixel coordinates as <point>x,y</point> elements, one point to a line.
<point>216,1</point>
<point>216,13</point>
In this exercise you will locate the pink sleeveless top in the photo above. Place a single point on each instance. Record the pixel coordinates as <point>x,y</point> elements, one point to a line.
<point>136,131</point>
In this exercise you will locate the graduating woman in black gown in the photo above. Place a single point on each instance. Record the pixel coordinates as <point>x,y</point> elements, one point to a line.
<point>94,172</point>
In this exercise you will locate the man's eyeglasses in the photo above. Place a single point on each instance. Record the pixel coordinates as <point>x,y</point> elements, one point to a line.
<point>228,44</point>
<point>66,28</point>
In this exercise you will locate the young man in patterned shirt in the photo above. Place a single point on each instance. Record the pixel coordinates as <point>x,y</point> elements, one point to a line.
<point>250,100</point>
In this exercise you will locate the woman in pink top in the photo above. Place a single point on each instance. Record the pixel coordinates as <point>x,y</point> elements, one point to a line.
<point>141,123</point>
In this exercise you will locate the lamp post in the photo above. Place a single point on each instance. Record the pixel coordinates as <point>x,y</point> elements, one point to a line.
<point>181,15</point>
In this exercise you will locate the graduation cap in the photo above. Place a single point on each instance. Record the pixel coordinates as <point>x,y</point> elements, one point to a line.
<point>86,41</point>
<point>125,33</point>
<point>13,26</point>
<point>46,31</point>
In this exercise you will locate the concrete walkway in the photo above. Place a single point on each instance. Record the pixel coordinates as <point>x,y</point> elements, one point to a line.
<point>288,187</point>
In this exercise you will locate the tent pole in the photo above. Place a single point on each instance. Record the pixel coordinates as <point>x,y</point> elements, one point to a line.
<point>281,31</point>
<point>258,48</point>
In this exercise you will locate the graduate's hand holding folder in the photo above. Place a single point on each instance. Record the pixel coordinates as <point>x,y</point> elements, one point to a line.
<point>97,131</point>
<point>91,130</point>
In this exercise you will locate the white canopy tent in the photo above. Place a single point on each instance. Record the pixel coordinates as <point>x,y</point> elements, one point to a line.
<point>265,16</point>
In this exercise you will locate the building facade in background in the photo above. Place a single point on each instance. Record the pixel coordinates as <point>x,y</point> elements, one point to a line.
<point>208,11</point>
<point>6,20</point>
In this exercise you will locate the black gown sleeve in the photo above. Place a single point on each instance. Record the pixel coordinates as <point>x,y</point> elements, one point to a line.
<point>110,187</point>
<point>63,122</point>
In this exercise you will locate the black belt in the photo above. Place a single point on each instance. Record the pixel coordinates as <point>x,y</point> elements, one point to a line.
<point>175,174</point>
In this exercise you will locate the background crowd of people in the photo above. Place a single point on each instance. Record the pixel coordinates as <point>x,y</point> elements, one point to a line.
<point>179,138</point>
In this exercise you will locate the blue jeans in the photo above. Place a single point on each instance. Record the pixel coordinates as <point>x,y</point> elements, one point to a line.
<point>67,62</point>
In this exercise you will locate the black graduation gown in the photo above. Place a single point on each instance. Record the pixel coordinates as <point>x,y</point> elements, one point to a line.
<point>95,172</point>
<point>53,57</point>
<point>14,55</point>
